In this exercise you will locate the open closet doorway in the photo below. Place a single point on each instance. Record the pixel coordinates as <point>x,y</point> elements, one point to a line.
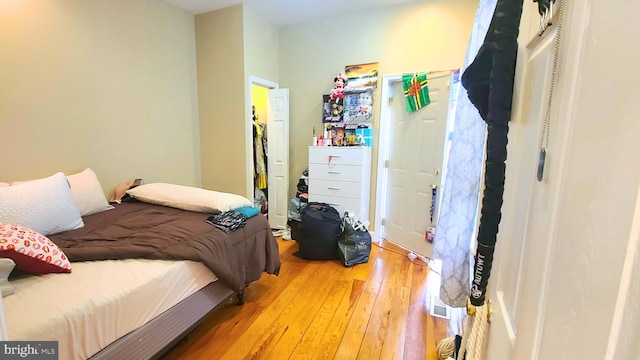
<point>411,162</point>
<point>268,149</point>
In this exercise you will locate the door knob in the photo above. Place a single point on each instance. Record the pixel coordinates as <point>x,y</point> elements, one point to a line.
<point>434,186</point>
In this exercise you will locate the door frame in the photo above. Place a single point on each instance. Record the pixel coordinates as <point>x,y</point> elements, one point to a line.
<point>253,80</point>
<point>383,151</point>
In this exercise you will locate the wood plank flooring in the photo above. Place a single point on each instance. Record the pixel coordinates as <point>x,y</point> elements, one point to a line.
<point>322,310</point>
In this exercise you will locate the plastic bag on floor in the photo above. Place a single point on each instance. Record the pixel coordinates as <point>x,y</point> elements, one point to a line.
<point>294,209</point>
<point>354,244</point>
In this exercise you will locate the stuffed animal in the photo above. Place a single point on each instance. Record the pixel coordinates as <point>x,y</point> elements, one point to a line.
<point>365,105</point>
<point>337,93</point>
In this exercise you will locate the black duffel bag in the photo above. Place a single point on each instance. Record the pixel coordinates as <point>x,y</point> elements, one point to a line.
<point>320,227</point>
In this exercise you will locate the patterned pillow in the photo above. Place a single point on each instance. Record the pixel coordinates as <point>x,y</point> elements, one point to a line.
<point>31,251</point>
<point>44,205</point>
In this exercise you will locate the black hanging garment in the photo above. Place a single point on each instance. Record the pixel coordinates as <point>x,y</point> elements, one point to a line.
<point>489,83</point>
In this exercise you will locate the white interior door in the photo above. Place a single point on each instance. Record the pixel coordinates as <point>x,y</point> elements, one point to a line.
<point>414,166</point>
<point>278,156</point>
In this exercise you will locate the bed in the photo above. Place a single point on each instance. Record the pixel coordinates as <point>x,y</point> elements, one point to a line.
<point>143,276</point>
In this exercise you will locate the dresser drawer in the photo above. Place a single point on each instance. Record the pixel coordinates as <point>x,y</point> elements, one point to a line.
<point>335,188</point>
<point>335,155</point>
<point>340,203</point>
<point>340,176</point>
<point>335,172</point>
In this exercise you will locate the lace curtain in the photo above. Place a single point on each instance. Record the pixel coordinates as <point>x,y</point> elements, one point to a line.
<point>461,185</point>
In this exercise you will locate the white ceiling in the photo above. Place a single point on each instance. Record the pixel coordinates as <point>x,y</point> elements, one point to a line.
<point>284,12</point>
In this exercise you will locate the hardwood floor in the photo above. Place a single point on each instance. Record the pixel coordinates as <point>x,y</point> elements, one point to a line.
<point>322,310</point>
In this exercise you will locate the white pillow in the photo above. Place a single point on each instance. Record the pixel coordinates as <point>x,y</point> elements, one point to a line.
<point>188,198</point>
<point>44,205</point>
<point>87,192</point>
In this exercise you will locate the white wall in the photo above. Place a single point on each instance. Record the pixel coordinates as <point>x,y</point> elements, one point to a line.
<point>103,84</point>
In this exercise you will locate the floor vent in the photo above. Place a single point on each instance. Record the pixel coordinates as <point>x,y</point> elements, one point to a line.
<point>439,309</point>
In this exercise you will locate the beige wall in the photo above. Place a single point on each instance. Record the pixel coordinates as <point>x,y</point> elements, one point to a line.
<point>233,44</point>
<point>418,36</point>
<point>220,54</point>
<point>261,46</point>
<point>261,56</point>
<point>112,84</point>
<point>103,84</point>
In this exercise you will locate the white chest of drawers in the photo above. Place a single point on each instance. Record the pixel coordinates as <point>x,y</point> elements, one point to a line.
<point>340,177</point>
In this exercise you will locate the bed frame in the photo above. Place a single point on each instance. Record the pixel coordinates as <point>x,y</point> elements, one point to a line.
<point>164,331</point>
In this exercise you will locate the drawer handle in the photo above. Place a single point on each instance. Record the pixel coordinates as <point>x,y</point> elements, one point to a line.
<point>334,172</point>
<point>330,159</point>
<point>332,188</point>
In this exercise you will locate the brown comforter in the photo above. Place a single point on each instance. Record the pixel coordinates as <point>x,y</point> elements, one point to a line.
<point>140,230</point>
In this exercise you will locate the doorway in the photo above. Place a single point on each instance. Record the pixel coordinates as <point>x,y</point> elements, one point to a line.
<point>409,190</point>
<point>268,131</point>
<point>260,147</point>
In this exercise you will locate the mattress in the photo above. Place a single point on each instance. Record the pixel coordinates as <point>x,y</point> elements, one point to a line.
<point>145,231</point>
<point>98,302</point>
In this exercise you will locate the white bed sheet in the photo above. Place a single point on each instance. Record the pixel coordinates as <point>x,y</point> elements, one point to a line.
<point>99,302</point>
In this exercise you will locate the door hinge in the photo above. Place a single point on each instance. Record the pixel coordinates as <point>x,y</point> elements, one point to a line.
<point>386,164</point>
<point>383,221</point>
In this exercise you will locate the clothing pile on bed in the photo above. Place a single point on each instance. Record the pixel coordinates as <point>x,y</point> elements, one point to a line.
<point>234,219</point>
<point>230,211</point>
